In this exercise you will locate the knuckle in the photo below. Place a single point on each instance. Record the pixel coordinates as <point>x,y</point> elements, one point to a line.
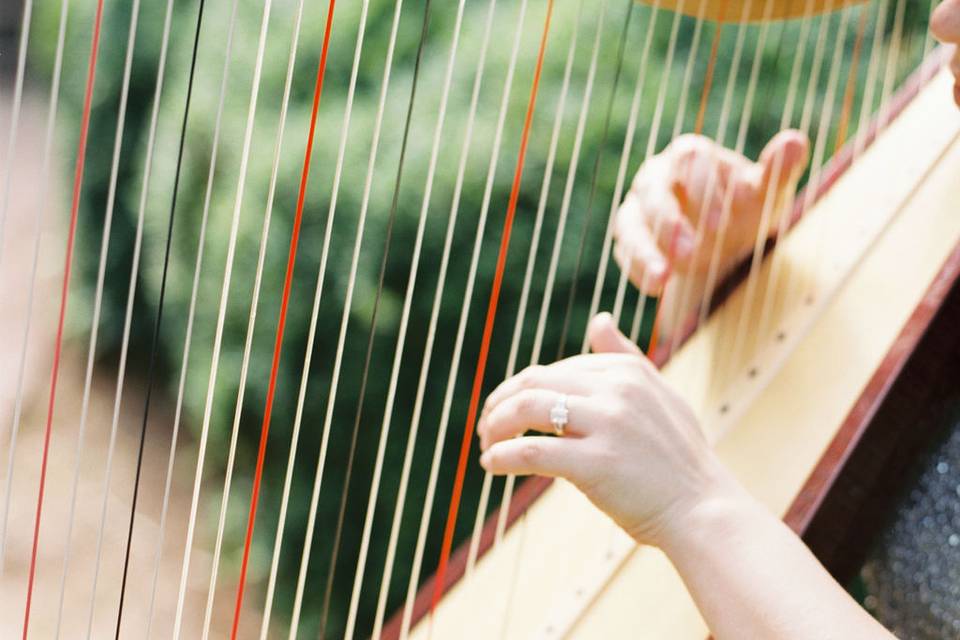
<point>524,402</point>
<point>531,453</point>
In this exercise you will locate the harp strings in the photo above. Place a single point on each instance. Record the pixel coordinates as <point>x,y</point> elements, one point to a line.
<point>405,314</point>
<point>97,303</point>
<point>251,321</point>
<point>652,144</point>
<point>875,72</point>
<point>49,140</point>
<point>154,346</point>
<point>562,221</point>
<point>15,116</point>
<point>490,318</point>
<point>191,316</point>
<point>554,258</point>
<point>221,314</point>
<point>419,549</point>
<point>373,324</point>
<point>58,342</point>
<point>338,360</point>
<point>431,334</point>
<point>535,356</point>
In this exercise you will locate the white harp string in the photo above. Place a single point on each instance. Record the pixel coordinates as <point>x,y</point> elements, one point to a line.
<point>252,319</point>
<point>431,332</point>
<point>191,314</point>
<point>770,198</point>
<point>221,315</point>
<point>15,116</point>
<point>628,140</point>
<point>402,331</point>
<point>128,315</point>
<point>32,280</point>
<point>98,301</point>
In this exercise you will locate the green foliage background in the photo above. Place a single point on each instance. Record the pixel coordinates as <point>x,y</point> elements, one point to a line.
<point>567,21</point>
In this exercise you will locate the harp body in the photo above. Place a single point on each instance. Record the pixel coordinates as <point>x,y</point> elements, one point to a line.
<point>578,575</point>
<point>779,387</point>
<point>727,11</point>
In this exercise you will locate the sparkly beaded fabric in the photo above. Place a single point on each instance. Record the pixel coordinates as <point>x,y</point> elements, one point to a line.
<point>912,575</point>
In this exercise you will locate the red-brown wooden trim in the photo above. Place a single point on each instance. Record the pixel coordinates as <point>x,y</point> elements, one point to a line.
<point>825,474</point>
<point>532,488</point>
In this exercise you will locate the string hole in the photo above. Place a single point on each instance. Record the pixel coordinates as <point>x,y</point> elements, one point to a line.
<point>724,409</point>
<point>781,336</point>
<point>753,372</point>
<point>809,300</point>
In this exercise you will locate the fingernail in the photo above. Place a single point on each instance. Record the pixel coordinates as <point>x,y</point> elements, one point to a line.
<point>656,266</point>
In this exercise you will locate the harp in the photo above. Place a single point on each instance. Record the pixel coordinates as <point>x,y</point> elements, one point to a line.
<point>785,360</point>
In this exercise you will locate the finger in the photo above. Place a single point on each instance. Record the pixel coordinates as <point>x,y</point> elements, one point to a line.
<point>530,410</point>
<point>563,377</point>
<point>605,337</point>
<point>945,22</point>
<point>783,161</point>
<point>536,455</point>
<point>666,214</point>
<point>635,250</point>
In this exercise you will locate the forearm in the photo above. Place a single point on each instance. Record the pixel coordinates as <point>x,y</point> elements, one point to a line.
<point>752,577</point>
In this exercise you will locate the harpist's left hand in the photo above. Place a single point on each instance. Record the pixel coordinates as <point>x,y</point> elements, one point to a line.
<point>634,448</point>
<point>631,444</point>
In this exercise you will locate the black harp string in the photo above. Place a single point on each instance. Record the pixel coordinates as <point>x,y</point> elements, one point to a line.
<point>588,216</point>
<point>154,344</point>
<point>371,335</point>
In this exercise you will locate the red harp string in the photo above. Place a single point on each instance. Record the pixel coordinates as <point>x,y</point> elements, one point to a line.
<point>282,320</point>
<point>68,262</point>
<point>489,321</point>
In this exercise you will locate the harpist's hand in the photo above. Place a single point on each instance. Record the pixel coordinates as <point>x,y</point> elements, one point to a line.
<point>631,445</point>
<point>946,27</point>
<point>695,177</point>
<point>634,448</point>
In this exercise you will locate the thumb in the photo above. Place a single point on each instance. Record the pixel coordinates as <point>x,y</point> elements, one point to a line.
<point>783,160</point>
<point>605,337</point>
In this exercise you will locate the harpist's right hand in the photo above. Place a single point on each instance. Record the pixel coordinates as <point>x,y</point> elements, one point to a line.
<point>698,206</point>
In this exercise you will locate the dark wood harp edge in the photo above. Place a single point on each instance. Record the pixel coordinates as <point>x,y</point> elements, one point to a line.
<point>530,489</point>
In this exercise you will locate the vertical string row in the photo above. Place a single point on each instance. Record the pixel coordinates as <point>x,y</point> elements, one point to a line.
<point>64,290</point>
<point>318,291</point>
<point>489,321</point>
<point>191,314</point>
<point>428,351</point>
<point>32,279</point>
<point>221,314</point>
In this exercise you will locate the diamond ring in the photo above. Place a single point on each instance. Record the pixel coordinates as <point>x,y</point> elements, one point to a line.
<point>560,415</point>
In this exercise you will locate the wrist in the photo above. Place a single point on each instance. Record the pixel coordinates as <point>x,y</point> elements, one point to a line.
<point>720,513</point>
